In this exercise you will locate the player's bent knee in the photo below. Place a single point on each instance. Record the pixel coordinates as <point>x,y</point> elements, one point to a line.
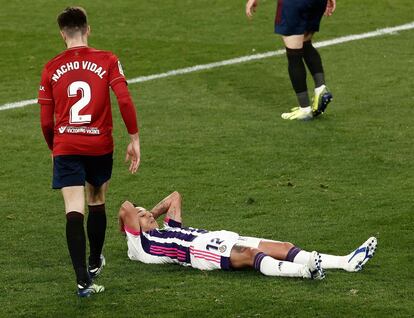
<point>242,256</point>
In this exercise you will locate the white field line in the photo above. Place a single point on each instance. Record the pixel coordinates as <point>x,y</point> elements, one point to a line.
<point>242,59</point>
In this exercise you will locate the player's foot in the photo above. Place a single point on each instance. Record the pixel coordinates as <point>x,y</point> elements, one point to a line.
<point>299,113</point>
<point>86,291</point>
<point>313,267</point>
<point>321,100</point>
<point>358,258</point>
<point>94,271</point>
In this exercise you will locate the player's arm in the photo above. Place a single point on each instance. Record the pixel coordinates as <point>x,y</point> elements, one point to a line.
<point>128,113</point>
<point>251,6</point>
<point>128,218</point>
<point>47,123</point>
<point>47,108</point>
<point>171,206</point>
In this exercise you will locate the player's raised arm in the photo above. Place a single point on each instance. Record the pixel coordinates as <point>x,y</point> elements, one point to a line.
<point>127,217</point>
<point>171,205</point>
<point>251,6</point>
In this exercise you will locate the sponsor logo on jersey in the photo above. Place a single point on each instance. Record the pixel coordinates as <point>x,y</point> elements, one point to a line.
<point>79,130</point>
<point>41,88</point>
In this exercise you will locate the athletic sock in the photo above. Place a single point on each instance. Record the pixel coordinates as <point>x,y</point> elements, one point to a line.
<point>333,261</point>
<point>299,256</point>
<point>314,63</point>
<point>297,74</point>
<point>272,267</point>
<point>75,236</point>
<point>96,227</point>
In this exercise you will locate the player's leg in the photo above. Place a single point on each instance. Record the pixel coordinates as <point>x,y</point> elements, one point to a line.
<point>75,233</point>
<point>290,23</point>
<point>313,59</point>
<point>242,256</point>
<point>297,75</point>
<point>352,262</point>
<point>96,226</point>
<point>69,176</point>
<point>98,173</point>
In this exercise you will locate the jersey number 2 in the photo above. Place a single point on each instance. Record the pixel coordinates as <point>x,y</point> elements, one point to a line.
<point>74,117</point>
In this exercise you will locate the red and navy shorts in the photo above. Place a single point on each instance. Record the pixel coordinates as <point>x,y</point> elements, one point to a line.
<point>296,17</point>
<point>74,170</point>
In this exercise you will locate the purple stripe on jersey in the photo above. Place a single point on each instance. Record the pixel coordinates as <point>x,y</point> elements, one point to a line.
<point>292,254</point>
<point>258,260</point>
<point>172,249</point>
<point>167,234</point>
<point>172,222</point>
<point>225,263</point>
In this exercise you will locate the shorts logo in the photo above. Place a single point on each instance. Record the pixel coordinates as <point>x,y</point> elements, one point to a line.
<point>62,129</point>
<point>222,248</point>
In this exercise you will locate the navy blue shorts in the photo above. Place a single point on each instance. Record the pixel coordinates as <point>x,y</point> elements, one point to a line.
<point>296,17</point>
<point>74,170</point>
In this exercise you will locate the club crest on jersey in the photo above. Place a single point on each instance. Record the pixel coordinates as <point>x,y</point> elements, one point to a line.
<point>222,248</point>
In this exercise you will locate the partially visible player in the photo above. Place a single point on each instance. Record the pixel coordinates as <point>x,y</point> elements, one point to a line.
<point>207,250</point>
<point>297,21</point>
<point>76,120</point>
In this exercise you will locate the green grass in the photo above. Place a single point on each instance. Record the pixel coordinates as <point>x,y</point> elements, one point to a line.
<point>217,137</point>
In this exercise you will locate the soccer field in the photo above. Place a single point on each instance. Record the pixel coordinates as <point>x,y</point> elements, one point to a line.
<point>216,136</point>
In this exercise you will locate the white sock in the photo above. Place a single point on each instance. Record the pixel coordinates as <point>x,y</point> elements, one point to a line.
<point>328,261</point>
<point>333,261</point>
<point>273,267</point>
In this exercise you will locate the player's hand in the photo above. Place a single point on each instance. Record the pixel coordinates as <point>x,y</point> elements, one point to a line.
<point>133,154</point>
<point>330,7</point>
<point>251,6</point>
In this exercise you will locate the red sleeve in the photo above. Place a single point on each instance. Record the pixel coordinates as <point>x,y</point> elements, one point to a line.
<point>47,123</point>
<point>45,95</point>
<point>126,106</point>
<point>116,73</point>
<point>45,99</point>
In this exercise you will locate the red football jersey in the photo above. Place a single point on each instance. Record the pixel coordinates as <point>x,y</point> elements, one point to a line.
<point>76,84</point>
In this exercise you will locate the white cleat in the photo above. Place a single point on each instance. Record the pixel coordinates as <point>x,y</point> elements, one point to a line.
<point>313,269</point>
<point>358,258</point>
<point>298,113</point>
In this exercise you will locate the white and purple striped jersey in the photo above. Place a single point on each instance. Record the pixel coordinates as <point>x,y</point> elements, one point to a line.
<point>186,246</point>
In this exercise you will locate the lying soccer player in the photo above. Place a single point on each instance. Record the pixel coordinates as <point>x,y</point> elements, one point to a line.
<point>207,250</point>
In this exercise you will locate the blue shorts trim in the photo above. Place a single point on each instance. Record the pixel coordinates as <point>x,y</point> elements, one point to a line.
<point>74,170</point>
<point>296,17</point>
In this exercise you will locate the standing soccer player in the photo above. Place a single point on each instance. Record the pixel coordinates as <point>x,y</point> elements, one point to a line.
<point>76,121</point>
<point>297,21</point>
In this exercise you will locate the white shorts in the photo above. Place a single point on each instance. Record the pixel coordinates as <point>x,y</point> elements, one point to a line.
<point>212,250</point>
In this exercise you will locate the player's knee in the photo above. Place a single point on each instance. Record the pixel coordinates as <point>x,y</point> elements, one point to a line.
<point>287,246</point>
<point>242,256</point>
